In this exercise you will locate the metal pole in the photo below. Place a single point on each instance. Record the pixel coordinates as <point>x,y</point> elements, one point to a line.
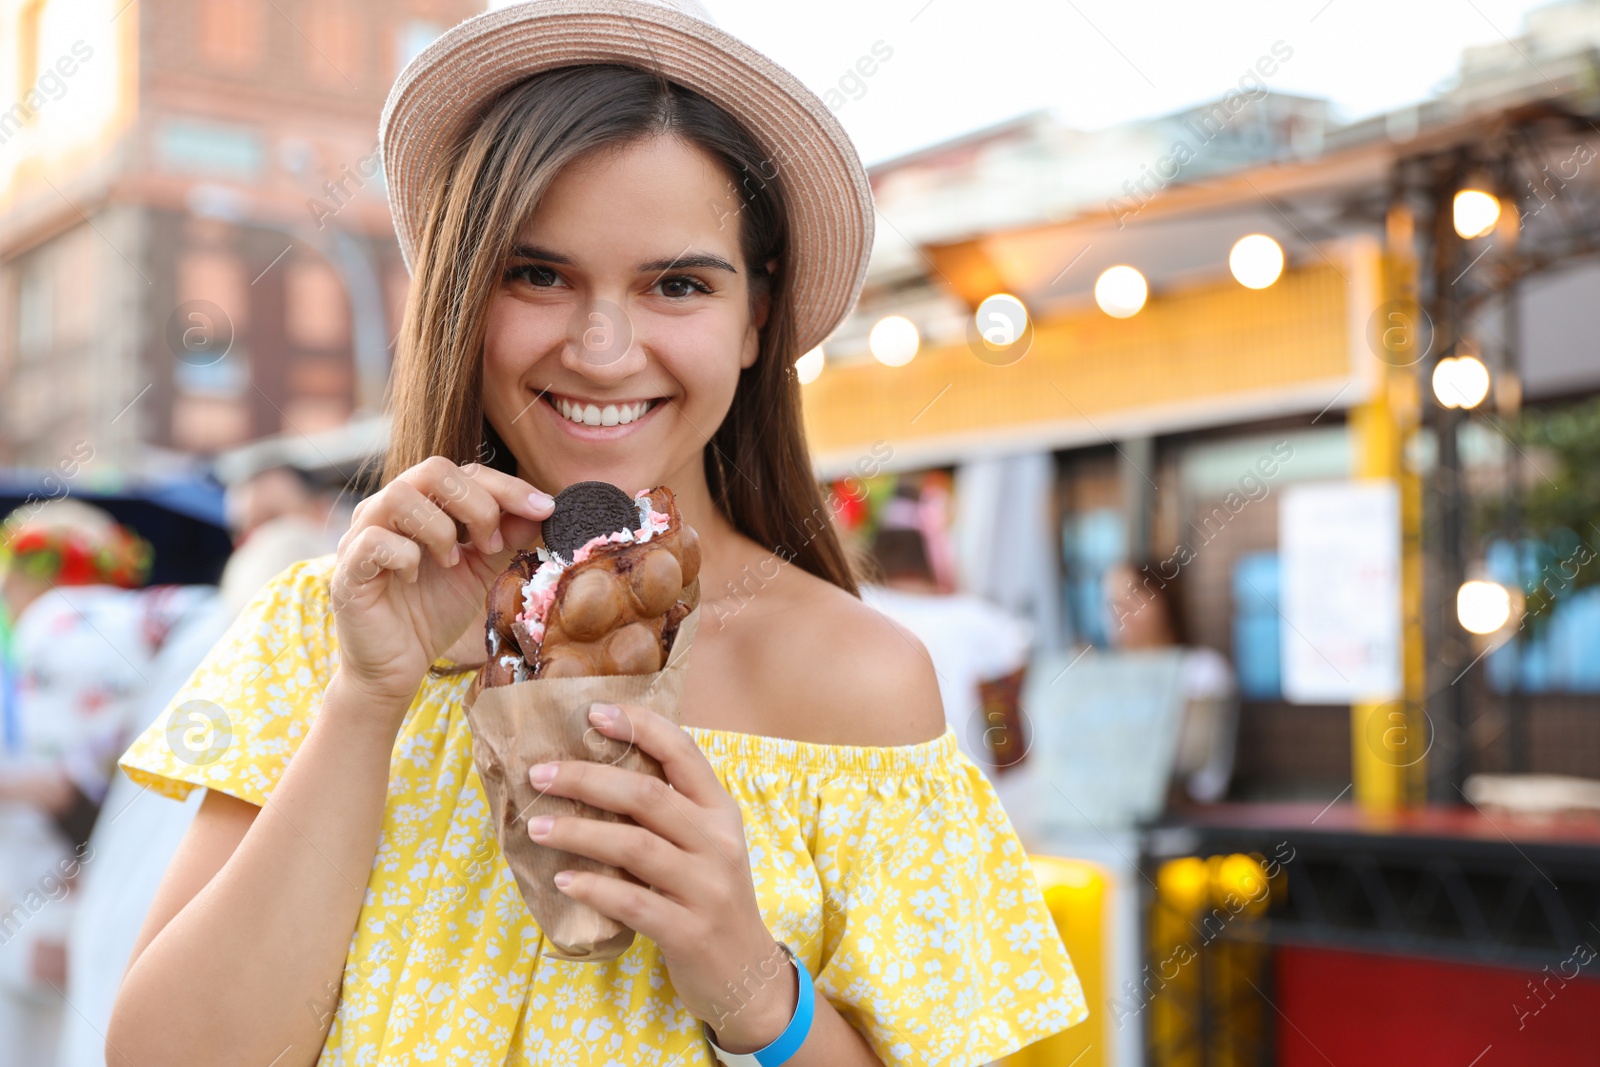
<point>1448,772</point>
<point>1508,403</point>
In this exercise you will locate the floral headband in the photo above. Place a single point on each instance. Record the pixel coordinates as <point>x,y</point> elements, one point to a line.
<point>65,556</point>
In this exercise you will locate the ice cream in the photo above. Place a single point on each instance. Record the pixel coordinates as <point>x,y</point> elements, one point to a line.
<point>603,595</point>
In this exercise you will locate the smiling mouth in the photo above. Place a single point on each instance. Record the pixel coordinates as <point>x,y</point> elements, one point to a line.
<point>588,413</point>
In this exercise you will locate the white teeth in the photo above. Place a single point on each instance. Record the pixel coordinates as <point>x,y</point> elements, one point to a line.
<point>594,415</point>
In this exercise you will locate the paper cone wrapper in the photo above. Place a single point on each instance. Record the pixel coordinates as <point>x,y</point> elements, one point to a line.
<point>516,726</point>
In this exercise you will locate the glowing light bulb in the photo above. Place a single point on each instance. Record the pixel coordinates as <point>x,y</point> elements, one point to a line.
<point>1256,261</point>
<point>809,366</point>
<point>1121,292</point>
<point>1460,381</point>
<point>1001,319</point>
<point>1483,607</point>
<point>894,341</point>
<point>1476,212</point>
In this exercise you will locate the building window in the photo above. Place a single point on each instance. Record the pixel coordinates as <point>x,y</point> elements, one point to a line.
<point>1257,652</point>
<point>1091,542</point>
<point>217,277</point>
<point>230,32</point>
<point>192,147</point>
<point>35,313</point>
<point>213,302</point>
<point>334,45</point>
<point>318,314</point>
<point>1554,649</point>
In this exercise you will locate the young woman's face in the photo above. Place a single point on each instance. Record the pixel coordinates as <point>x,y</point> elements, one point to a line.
<point>622,321</point>
<point>1136,615</point>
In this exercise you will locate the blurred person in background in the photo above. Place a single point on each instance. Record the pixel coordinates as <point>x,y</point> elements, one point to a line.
<point>133,846</point>
<point>979,651</point>
<point>1146,609</point>
<point>282,492</point>
<point>81,638</point>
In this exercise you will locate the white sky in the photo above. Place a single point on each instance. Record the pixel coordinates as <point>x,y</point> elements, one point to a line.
<point>958,65</point>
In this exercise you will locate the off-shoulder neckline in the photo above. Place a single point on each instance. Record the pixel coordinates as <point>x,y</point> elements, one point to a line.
<point>783,753</point>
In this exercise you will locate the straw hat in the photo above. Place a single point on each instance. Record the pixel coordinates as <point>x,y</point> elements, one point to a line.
<point>446,86</point>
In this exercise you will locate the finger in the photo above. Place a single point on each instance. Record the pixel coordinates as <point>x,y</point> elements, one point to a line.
<point>644,798</point>
<point>685,765</point>
<point>635,906</point>
<point>523,507</point>
<point>513,495</point>
<point>407,509</point>
<point>650,857</point>
<point>456,490</point>
<point>372,555</point>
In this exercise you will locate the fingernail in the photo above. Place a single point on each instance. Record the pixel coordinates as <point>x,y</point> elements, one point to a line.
<point>604,714</point>
<point>540,826</point>
<point>455,555</point>
<point>496,542</point>
<point>541,501</point>
<point>563,879</point>
<point>542,775</point>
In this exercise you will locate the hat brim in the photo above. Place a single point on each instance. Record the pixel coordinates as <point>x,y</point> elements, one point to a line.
<point>826,192</point>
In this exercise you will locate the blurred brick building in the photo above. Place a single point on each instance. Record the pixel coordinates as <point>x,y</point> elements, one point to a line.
<point>195,249</point>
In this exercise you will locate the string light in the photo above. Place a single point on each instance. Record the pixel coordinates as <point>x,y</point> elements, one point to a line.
<point>1460,381</point>
<point>1001,319</point>
<point>1121,292</point>
<point>1256,261</point>
<point>894,341</point>
<point>809,366</point>
<point>1476,212</point>
<point>1483,607</point>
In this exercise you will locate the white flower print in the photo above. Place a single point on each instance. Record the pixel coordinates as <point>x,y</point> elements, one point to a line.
<point>893,870</point>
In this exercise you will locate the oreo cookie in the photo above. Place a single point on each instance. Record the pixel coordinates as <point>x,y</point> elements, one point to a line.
<point>584,511</point>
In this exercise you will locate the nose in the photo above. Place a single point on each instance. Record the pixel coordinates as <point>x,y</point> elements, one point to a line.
<point>602,344</point>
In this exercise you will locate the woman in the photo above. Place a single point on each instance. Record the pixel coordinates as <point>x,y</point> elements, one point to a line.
<point>612,277</point>
<point>1146,609</point>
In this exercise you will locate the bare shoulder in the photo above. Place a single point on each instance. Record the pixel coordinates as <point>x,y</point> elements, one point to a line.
<point>834,670</point>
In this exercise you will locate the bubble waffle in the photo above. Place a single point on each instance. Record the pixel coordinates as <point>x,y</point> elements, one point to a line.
<point>613,607</point>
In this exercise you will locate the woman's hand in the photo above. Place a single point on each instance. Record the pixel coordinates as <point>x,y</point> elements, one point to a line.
<point>688,847</point>
<point>403,590</point>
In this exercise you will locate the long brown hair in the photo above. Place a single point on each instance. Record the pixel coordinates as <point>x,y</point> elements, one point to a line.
<point>756,463</point>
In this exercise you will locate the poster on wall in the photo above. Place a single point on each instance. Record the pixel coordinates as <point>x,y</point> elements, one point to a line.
<point>1339,544</point>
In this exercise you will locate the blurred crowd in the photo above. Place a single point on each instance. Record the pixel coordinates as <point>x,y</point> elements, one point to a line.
<point>90,654</point>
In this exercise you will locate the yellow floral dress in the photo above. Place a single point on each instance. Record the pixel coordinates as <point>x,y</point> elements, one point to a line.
<point>893,871</point>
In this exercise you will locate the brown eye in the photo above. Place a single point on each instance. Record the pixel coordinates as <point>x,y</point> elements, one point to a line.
<point>533,274</point>
<point>681,286</point>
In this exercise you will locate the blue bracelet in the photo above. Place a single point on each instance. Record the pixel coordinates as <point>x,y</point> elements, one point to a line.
<point>786,1044</point>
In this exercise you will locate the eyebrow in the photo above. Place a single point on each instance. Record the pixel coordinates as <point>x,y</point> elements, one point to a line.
<point>679,262</point>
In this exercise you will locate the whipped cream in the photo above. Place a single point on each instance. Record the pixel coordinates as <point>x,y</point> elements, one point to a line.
<point>539,591</point>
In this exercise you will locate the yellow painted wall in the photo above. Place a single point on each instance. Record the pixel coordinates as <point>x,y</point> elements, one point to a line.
<point>1211,341</point>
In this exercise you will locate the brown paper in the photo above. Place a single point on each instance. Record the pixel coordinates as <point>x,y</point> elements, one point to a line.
<point>516,726</point>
